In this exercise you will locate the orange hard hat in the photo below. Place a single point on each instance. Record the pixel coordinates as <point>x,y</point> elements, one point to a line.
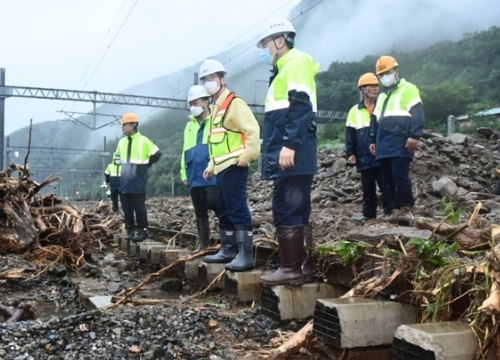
<point>129,118</point>
<point>367,79</point>
<point>385,63</point>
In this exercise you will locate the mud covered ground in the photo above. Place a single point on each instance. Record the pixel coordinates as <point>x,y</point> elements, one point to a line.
<point>215,326</point>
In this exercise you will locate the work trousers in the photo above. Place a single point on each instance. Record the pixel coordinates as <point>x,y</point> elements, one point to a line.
<point>115,194</point>
<point>292,200</point>
<point>204,198</point>
<point>396,172</point>
<point>370,178</point>
<point>232,197</point>
<point>134,208</point>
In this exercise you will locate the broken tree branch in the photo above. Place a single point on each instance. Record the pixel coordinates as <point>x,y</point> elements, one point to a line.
<point>295,343</point>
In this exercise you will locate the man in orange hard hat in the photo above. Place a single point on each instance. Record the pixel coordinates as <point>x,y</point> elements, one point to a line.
<point>136,154</point>
<point>357,141</point>
<point>397,125</point>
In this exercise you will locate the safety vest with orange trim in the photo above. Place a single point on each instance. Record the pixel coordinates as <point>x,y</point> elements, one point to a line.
<point>224,144</point>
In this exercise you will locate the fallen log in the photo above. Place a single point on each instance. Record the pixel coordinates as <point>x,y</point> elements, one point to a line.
<point>295,343</point>
<point>12,274</point>
<point>465,236</point>
<point>24,311</point>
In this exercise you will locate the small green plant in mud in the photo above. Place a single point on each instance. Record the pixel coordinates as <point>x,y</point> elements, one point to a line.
<point>432,252</point>
<point>349,251</point>
<point>452,214</point>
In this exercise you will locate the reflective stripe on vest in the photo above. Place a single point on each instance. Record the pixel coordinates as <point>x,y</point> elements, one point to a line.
<point>224,143</point>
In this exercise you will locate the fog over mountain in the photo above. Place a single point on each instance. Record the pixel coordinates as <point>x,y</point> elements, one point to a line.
<point>330,30</point>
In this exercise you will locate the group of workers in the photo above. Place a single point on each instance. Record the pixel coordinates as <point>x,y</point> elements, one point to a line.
<point>222,137</point>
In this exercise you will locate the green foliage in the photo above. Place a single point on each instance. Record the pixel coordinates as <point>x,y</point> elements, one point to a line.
<point>332,132</point>
<point>347,250</point>
<point>432,252</point>
<point>449,211</point>
<point>454,77</point>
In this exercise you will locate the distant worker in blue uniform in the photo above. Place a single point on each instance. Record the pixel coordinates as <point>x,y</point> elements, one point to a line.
<point>194,160</point>
<point>112,178</point>
<point>136,153</point>
<point>397,125</point>
<point>357,142</point>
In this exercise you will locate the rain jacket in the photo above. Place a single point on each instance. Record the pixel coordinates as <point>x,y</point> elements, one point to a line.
<point>195,153</point>
<point>137,153</point>
<point>357,137</point>
<point>290,111</point>
<point>112,175</point>
<point>399,115</point>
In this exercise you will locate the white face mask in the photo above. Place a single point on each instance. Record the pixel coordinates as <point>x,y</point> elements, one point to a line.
<point>211,87</point>
<point>196,110</point>
<point>388,79</point>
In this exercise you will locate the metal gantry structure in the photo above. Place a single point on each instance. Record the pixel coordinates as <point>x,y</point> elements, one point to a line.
<point>95,98</point>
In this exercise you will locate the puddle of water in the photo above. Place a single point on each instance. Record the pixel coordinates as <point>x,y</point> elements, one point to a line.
<point>46,309</point>
<point>158,294</point>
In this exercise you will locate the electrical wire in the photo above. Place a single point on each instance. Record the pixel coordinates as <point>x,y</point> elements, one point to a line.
<point>240,53</point>
<point>99,47</point>
<point>111,43</point>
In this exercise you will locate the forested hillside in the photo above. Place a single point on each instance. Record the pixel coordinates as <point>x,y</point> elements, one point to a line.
<point>453,77</point>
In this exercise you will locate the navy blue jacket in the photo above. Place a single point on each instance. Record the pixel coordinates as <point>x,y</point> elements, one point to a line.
<point>401,118</point>
<point>290,116</point>
<point>357,137</point>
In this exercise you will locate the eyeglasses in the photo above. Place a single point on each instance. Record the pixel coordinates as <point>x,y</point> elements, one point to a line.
<point>208,78</point>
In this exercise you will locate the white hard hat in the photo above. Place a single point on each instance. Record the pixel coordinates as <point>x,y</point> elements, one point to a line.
<point>210,66</point>
<point>197,92</point>
<point>274,27</point>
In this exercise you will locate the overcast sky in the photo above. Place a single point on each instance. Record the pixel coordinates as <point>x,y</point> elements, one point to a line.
<point>55,43</point>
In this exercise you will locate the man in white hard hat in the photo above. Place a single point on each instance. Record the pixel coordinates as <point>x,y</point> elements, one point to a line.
<point>289,154</point>
<point>233,143</point>
<point>194,161</point>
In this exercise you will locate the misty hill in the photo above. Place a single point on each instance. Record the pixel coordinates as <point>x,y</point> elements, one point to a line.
<point>341,31</point>
<point>454,78</point>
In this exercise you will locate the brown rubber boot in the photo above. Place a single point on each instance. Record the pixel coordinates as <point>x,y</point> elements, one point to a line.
<point>291,243</point>
<point>307,264</point>
<point>203,227</point>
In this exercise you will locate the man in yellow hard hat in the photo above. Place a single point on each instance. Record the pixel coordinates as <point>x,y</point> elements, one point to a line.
<point>357,142</point>
<point>289,153</point>
<point>136,153</point>
<point>112,176</point>
<point>233,143</point>
<point>194,160</point>
<point>397,125</point>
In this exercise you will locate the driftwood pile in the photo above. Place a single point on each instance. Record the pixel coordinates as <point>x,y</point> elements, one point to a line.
<point>44,227</point>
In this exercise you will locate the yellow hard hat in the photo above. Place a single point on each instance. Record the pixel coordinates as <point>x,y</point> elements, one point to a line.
<point>367,79</point>
<point>129,118</point>
<point>385,63</point>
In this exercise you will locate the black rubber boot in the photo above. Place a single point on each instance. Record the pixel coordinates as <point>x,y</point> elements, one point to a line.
<point>307,264</point>
<point>141,235</point>
<point>291,243</point>
<point>130,234</point>
<point>203,228</point>
<point>244,241</point>
<point>227,250</point>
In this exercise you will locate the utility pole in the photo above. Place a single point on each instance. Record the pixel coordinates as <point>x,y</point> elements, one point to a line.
<point>195,79</point>
<point>2,120</point>
<point>172,181</point>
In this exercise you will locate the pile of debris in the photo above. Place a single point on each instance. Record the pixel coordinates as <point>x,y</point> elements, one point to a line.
<point>44,227</point>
